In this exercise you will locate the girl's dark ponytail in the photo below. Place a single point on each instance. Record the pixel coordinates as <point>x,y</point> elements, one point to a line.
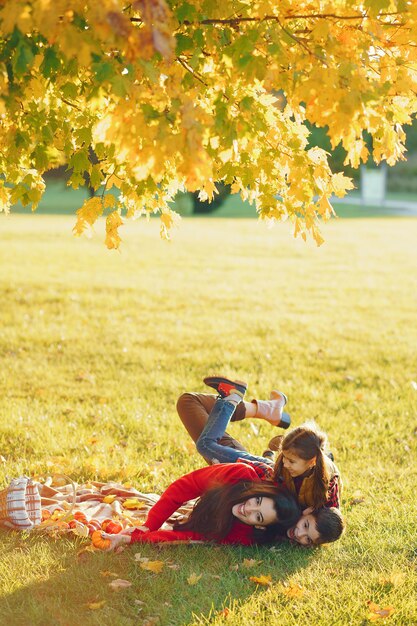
<point>308,442</point>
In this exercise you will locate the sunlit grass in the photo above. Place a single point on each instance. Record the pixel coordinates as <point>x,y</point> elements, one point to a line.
<point>97,346</point>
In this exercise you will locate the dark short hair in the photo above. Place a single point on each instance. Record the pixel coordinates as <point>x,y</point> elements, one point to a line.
<point>330,524</point>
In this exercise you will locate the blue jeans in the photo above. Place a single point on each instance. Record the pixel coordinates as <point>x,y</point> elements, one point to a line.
<point>207,444</point>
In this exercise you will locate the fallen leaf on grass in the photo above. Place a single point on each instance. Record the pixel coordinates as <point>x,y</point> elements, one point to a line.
<point>358,498</point>
<point>94,606</point>
<point>107,574</point>
<point>153,566</point>
<point>293,591</point>
<point>250,563</point>
<point>261,580</point>
<point>151,621</point>
<point>357,501</point>
<point>376,612</point>
<point>119,583</point>
<point>194,578</point>
<point>224,612</point>
<point>85,552</point>
<point>234,568</point>
<point>395,579</point>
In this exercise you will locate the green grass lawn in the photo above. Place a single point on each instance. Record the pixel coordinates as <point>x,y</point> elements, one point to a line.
<point>95,348</point>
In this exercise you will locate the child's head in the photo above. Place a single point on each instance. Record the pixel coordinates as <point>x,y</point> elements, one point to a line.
<point>302,451</point>
<point>316,527</point>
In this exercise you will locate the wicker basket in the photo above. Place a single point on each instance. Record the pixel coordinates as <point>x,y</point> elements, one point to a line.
<point>20,506</point>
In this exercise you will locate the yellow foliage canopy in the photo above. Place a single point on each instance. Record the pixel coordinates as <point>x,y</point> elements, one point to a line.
<point>152,99</point>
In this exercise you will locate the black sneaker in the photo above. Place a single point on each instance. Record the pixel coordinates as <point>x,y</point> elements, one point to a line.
<point>223,386</point>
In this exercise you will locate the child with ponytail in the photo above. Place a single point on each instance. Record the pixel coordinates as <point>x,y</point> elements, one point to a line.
<point>305,469</point>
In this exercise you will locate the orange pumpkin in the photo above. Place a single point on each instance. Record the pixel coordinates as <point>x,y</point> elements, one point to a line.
<point>104,523</point>
<point>80,517</point>
<point>99,541</point>
<point>113,527</point>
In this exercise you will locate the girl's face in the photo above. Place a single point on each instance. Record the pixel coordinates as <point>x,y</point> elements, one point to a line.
<point>256,511</point>
<point>294,464</point>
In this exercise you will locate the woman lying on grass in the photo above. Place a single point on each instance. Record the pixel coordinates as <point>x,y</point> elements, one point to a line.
<point>302,465</point>
<point>234,507</point>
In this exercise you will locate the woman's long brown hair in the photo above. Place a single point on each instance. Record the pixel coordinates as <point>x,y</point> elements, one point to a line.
<point>212,514</point>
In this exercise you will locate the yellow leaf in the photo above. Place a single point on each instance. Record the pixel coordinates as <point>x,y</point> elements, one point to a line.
<point>106,573</point>
<point>376,612</point>
<point>194,578</point>
<point>395,579</point>
<point>93,606</point>
<point>119,583</point>
<point>113,223</point>
<point>4,199</point>
<point>250,563</point>
<point>133,503</point>
<point>109,499</point>
<point>169,219</point>
<point>109,201</point>
<point>87,215</point>
<point>153,566</point>
<point>293,591</point>
<point>261,580</point>
<point>341,184</point>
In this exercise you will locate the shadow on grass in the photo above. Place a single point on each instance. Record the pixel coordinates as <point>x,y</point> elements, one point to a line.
<point>77,591</point>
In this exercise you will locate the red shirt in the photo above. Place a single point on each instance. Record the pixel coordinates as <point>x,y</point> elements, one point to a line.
<point>188,487</point>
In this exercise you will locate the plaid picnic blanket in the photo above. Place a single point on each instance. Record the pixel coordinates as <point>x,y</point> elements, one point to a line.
<point>100,501</point>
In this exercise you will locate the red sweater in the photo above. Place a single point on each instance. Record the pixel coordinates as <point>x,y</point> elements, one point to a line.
<point>187,488</point>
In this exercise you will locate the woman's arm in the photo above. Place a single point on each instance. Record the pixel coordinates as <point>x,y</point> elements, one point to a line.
<point>192,486</point>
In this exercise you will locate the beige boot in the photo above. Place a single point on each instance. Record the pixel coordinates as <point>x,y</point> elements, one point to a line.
<point>271,410</point>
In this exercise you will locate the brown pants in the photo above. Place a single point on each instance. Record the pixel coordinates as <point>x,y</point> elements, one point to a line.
<point>194,409</point>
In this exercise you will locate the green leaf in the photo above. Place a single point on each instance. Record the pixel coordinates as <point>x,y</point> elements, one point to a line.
<point>149,112</point>
<point>84,135</point>
<point>150,71</point>
<point>103,71</point>
<point>199,37</point>
<point>120,86</point>
<point>69,90</point>
<point>47,134</point>
<point>40,158</point>
<point>79,161</point>
<point>96,177</point>
<point>186,13</point>
<point>246,103</point>
<point>225,36</point>
<point>100,150</point>
<point>184,42</point>
<point>21,140</point>
<point>244,60</point>
<point>51,63</point>
<point>22,59</point>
